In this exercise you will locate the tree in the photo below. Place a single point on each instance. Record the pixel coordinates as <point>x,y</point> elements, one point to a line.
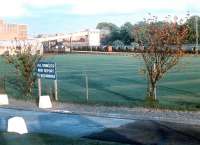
<point>141,34</point>
<point>162,50</point>
<point>114,35</point>
<point>143,27</point>
<point>117,44</point>
<point>191,22</point>
<point>106,26</point>
<point>109,32</point>
<point>25,64</point>
<point>126,33</point>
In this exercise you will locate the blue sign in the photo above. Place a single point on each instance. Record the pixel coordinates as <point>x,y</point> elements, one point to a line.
<point>46,70</point>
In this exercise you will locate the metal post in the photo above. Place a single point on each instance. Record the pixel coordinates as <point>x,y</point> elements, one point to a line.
<point>39,87</point>
<point>197,34</point>
<point>4,83</point>
<point>86,83</point>
<point>56,89</point>
<point>56,85</point>
<point>70,44</point>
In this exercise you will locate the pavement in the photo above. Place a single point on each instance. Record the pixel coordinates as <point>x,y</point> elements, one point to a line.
<point>135,132</point>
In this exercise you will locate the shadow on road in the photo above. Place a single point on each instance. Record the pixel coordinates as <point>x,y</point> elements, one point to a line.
<point>135,132</point>
<point>151,133</point>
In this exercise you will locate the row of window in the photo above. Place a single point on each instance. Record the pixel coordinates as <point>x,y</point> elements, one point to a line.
<point>12,28</point>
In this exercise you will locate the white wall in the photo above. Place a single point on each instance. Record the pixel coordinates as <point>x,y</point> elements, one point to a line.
<point>94,38</point>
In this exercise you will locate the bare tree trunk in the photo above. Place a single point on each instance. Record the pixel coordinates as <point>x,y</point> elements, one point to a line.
<point>152,90</point>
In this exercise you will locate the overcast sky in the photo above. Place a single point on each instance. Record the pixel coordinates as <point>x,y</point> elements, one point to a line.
<point>54,16</point>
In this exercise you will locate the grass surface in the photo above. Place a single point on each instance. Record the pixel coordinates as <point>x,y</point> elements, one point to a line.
<point>115,80</point>
<point>44,139</point>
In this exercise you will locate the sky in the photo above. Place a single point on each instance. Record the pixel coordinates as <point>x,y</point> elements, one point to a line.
<point>65,16</point>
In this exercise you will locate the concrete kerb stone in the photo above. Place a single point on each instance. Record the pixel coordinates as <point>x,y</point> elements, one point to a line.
<point>4,99</point>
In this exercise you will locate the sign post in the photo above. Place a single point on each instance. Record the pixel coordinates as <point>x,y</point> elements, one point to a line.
<point>39,87</point>
<point>56,86</point>
<point>56,89</point>
<point>47,70</point>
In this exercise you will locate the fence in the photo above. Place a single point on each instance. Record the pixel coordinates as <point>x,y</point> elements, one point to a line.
<point>112,80</point>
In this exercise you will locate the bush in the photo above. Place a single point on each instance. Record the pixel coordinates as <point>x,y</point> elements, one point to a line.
<point>25,64</point>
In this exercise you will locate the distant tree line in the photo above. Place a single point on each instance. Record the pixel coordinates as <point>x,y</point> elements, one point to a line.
<point>122,36</point>
<point>111,33</point>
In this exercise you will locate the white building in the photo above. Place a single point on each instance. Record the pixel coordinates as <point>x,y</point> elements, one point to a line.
<point>85,38</point>
<point>88,37</point>
<point>58,42</point>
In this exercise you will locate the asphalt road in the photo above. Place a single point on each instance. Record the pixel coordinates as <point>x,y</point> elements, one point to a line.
<point>136,132</point>
<point>70,125</point>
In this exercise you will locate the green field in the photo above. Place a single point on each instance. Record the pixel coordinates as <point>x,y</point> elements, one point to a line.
<point>115,80</point>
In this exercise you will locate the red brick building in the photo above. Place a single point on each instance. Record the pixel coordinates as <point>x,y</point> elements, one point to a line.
<point>13,31</point>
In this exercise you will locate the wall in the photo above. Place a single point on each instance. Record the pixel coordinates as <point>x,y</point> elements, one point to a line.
<point>12,31</point>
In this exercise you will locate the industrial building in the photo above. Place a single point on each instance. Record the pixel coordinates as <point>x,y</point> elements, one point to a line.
<point>55,43</point>
<point>13,31</point>
<point>64,42</point>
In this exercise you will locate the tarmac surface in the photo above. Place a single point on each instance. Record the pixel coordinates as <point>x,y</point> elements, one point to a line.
<point>136,132</point>
<point>65,124</point>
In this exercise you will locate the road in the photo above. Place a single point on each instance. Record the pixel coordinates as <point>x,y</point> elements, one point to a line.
<point>70,125</point>
<point>136,132</point>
